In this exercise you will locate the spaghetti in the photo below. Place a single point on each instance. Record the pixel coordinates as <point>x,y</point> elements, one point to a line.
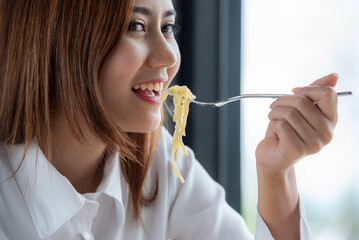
<point>181,100</point>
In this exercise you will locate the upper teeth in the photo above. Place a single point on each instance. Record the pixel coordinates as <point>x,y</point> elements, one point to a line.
<point>149,86</point>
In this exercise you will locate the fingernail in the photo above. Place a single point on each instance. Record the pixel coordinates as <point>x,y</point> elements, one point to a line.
<point>336,74</point>
<point>297,90</point>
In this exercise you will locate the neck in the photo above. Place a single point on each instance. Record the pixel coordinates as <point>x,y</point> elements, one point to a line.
<point>81,162</point>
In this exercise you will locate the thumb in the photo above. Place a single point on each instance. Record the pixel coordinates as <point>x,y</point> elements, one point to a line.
<point>330,80</point>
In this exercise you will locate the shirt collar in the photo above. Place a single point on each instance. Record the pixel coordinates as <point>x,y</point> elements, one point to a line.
<point>43,187</point>
<point>114,186</point>
<point>113,183</point>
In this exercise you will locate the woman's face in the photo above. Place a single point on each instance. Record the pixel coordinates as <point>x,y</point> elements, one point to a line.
<point>142,64</point>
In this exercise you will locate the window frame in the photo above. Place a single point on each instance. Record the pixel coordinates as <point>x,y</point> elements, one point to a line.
<point>210,44</point>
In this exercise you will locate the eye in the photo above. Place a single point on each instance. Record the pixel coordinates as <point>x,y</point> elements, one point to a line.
<point>171,28</point>
<point>136,26</point>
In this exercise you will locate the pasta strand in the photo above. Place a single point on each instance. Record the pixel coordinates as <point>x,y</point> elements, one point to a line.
<point>181,100</point>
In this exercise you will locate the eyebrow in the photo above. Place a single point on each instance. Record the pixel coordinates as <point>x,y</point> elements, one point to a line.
<point>147,11</point>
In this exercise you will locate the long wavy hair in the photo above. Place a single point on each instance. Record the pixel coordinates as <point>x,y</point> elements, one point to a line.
<point>51,56</point>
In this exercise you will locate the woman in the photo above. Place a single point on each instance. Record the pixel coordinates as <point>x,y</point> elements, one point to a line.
<point>83,154</point>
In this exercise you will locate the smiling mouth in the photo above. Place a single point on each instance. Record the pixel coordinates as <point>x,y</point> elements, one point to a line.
<point>148,89</point>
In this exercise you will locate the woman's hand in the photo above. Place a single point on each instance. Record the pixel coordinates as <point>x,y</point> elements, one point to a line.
<point>299,125</point>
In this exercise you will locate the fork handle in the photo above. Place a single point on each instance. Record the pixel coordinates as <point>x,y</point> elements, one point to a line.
<point>346,93</point>
<point>236,98</point>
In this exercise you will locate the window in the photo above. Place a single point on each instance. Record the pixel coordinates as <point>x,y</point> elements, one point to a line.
<point>210,47</point>
<point>288,44</point>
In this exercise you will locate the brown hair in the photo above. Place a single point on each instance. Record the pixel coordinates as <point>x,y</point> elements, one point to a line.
<point>51,56</point>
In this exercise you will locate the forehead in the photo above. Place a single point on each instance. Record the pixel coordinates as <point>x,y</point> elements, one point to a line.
<point>156,6</point>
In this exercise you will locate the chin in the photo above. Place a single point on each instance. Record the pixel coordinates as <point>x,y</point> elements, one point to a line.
<point>143,128</point>
<point>145,122</point>
<point>148,129</point>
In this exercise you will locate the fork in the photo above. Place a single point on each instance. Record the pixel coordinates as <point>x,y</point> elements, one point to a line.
<point>239,97</point>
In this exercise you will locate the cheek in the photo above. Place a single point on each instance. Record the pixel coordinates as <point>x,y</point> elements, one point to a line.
<point>124,62</point>
<point>117,76</point>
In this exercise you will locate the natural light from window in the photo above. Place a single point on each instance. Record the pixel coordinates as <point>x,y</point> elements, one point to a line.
<point>292,43</point>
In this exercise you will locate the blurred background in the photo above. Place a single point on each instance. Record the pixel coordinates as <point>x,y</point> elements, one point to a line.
<point>255,46</point>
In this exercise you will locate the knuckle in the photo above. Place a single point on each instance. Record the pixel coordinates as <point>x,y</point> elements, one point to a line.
<point>301,150</point>
<point>291,113</point>
<point>328,92</point>
<point>271,115</point>
<point>318,145</point>
<point>301,101</point>
<point>327,136</point>
<point>281,123</point>
<point>314,147</point>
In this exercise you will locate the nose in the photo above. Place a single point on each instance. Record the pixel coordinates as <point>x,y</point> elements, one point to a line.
<point>162,53</point>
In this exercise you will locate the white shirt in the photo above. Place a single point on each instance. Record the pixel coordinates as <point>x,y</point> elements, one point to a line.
<point>40,203</point>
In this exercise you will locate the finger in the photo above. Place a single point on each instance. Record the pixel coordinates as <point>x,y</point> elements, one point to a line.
<point>290,145</point>
<point>305,106</point>
<point>329,102</point>
<point>330,80</point>
<point>295,120</point>
<point>326,100</point>
<point>303,129</point>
